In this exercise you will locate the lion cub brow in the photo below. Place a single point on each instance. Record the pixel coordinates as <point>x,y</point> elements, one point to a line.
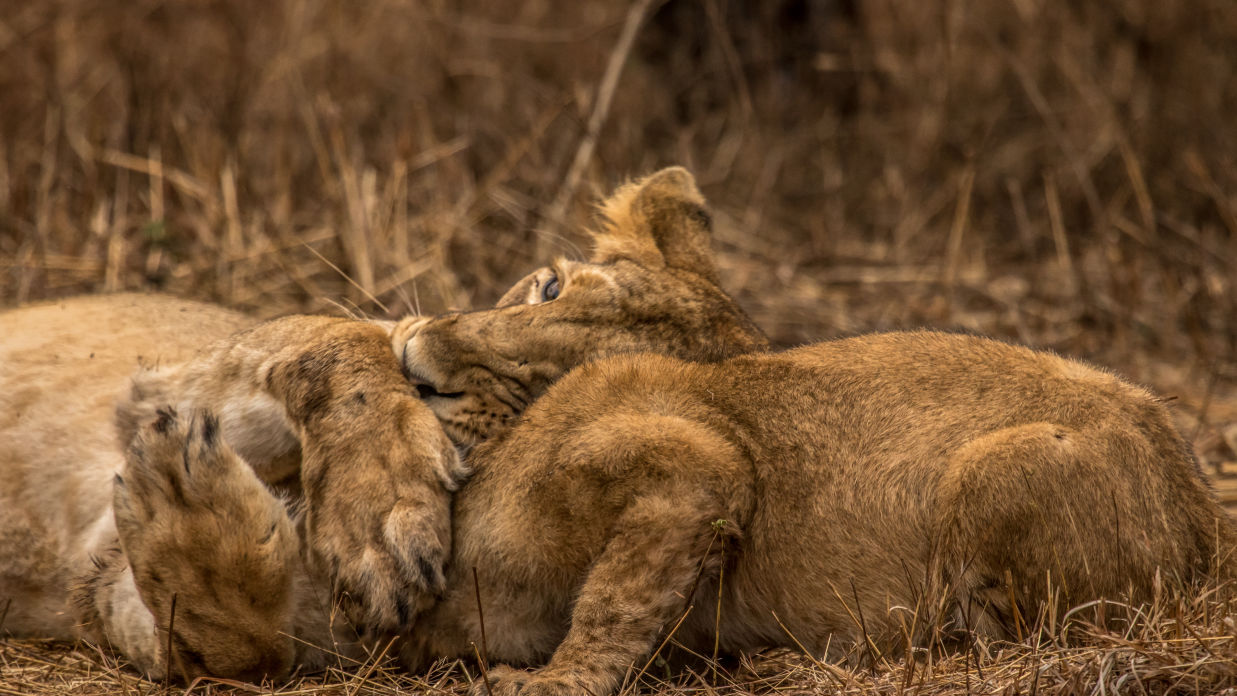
<point>591,274</point>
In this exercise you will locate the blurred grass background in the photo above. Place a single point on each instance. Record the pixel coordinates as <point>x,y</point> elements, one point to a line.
<point>1060,174</point>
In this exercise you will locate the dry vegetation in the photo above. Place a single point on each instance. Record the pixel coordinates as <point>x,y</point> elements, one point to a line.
<point>1062,174</point>
<point>1174,648</point>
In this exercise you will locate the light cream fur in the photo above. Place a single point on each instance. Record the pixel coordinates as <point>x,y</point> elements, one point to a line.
<point>81,376</point>
<point>63,367</point>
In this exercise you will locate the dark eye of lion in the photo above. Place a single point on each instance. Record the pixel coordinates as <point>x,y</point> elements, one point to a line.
<point>549,291</point>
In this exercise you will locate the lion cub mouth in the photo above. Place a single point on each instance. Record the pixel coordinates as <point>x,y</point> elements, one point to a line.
<point>428,391</point>
<point>424,385</point>
<point>425,388</point>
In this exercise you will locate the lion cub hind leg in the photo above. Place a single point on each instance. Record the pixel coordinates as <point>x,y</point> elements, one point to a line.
<point>212,553</point>
<point>1068,516</point>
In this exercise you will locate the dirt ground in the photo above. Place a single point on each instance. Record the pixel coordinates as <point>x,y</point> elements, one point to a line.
<point>1057,174</point>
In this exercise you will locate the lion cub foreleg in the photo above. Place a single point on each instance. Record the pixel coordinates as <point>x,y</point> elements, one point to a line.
<point>662,547</point>
<point>111,612</point>
<point>667,494</point>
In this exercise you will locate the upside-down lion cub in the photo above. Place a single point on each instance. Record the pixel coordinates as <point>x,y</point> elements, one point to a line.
<point>916,479</point>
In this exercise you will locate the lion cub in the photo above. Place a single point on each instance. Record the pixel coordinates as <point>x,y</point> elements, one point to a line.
<point>373,492</point>
<point>920,480</point>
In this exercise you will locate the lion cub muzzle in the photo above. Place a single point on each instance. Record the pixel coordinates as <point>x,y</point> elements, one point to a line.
<point>471,398</point>
<point>415,362</point>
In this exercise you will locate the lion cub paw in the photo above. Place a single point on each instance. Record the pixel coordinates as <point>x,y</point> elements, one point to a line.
<point>213,553</point>
<point>508,681</point>
<point>503,681</point>
<point>378,511</point>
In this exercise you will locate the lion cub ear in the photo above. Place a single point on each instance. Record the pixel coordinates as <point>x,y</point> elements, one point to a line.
<point>659,221</point>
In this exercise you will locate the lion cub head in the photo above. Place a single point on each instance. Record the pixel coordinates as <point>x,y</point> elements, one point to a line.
<point>650,286</point>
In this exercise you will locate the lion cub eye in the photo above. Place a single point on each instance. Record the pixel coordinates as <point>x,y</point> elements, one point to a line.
<point>549,291</point>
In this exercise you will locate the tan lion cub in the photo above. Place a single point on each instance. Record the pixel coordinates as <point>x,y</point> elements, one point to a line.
<point>377,477</point>
<point>918,479</point>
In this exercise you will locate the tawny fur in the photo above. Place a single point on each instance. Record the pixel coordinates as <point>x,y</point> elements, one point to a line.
<point>899,477</point>
<point>922,481</point>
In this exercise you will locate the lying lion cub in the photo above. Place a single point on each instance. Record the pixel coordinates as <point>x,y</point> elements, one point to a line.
<point>378,466</point>
<point>918,480</point>
<point>886,485</point>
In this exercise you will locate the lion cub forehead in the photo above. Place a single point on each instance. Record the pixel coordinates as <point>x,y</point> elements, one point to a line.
<point>578,273</point>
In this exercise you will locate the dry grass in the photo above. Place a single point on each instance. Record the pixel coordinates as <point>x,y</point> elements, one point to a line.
<point>1059,174</point>
<point>1173,648</point>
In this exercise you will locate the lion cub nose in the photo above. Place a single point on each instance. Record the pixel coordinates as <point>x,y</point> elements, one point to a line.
<point>404,330</point>
<point>409,345</point>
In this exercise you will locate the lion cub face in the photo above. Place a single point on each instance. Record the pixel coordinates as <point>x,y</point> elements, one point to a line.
<point>650,286</point>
